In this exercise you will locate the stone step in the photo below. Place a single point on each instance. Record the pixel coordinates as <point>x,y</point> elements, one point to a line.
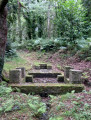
<point>48,88</point>
<point>42,66</point>
<point>44,75</point>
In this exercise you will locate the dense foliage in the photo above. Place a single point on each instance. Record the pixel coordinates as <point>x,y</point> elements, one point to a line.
<point>49,25</point>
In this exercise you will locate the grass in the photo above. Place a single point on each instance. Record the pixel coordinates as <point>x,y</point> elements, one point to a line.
<point>13,63</point>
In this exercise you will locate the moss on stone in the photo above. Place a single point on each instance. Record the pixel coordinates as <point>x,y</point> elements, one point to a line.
<point>49,67</point>
<point>29,78</point>
<point>36,67</point>
<point>60,78</point>
<point>42,66</point>
<point>49,88</point>
<point>5,79</point>
<point>40,74</point>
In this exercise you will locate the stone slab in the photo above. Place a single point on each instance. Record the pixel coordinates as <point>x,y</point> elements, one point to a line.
<point>44,75</point>
<point>60,78</point>
<point>49,67</point>
<point>43,66</point>
<point>49,88</point>
<point>15,76</point>
<point>22,71</point>
<point>75,76</point>
<point>29,78</point>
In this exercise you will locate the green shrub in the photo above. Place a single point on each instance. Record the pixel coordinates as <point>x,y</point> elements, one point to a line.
<point>10,51</point>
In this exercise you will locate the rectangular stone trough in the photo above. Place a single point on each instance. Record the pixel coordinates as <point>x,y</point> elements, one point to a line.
<point>49,88</point>
<point>44,74</point>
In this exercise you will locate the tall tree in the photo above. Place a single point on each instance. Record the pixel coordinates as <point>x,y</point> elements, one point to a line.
<point>3,32</point>
<point>19,21</point>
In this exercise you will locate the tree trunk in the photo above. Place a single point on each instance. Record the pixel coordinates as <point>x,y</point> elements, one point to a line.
<point>19,22</point>
<point>3,32</point>
<point>48,24</point>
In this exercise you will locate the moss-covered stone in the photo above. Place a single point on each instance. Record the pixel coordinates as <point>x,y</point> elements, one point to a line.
<point>29,78</point>
<point>49,67</point>
<point>67,80</point>
<point>5,79</point>
<point>44,74</point>
<point>75,76</point>
<point>49,88</point>
<point>60,78</point>
<point>37,67</point>
<point>66,72</point>
<point>22,71</point>
<point>15,76</point>
<point>43,66</point>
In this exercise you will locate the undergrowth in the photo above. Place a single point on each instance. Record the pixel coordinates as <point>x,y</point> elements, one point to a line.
<point>12,102</point>
<point>71,106</point>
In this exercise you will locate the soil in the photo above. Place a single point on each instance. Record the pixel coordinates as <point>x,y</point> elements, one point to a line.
<point>45,80</point>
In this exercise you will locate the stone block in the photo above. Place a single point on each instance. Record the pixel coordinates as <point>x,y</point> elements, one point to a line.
<point>44,74</point>
<point>60,78</point>
<point>37,67</point>
<point>49,88</point>
<point>22,71</point>
<point>66,72</point>
<point>75,76</point>
<point>49,67</point>
<point>29,78</point>
<point>15,76</point>
<point>43,66</point>
<point>67,80</point>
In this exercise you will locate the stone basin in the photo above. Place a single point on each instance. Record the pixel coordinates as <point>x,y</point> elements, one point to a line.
<point>43,73</point>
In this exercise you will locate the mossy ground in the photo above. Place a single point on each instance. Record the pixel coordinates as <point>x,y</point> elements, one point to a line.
<point>14,63</point>
<point>71,106</point>
<point>19,106</point>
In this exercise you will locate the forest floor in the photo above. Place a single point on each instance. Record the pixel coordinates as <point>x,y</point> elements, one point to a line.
<point>58,60</point>
<point>64,107</point>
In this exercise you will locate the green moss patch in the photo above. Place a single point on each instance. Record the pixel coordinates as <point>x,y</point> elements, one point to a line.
<point>49,88</point>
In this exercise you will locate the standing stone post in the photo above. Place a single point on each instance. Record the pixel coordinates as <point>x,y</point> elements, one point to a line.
<point>49,67</point>
<point>29,78</point>
<point>43,66</point>
<point>22,71</point>
<point>66,73</point>
<point>75,76</point>
<point>15,76</point>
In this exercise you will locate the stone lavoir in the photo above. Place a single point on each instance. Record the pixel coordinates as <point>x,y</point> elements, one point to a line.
<point>41,79</point>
